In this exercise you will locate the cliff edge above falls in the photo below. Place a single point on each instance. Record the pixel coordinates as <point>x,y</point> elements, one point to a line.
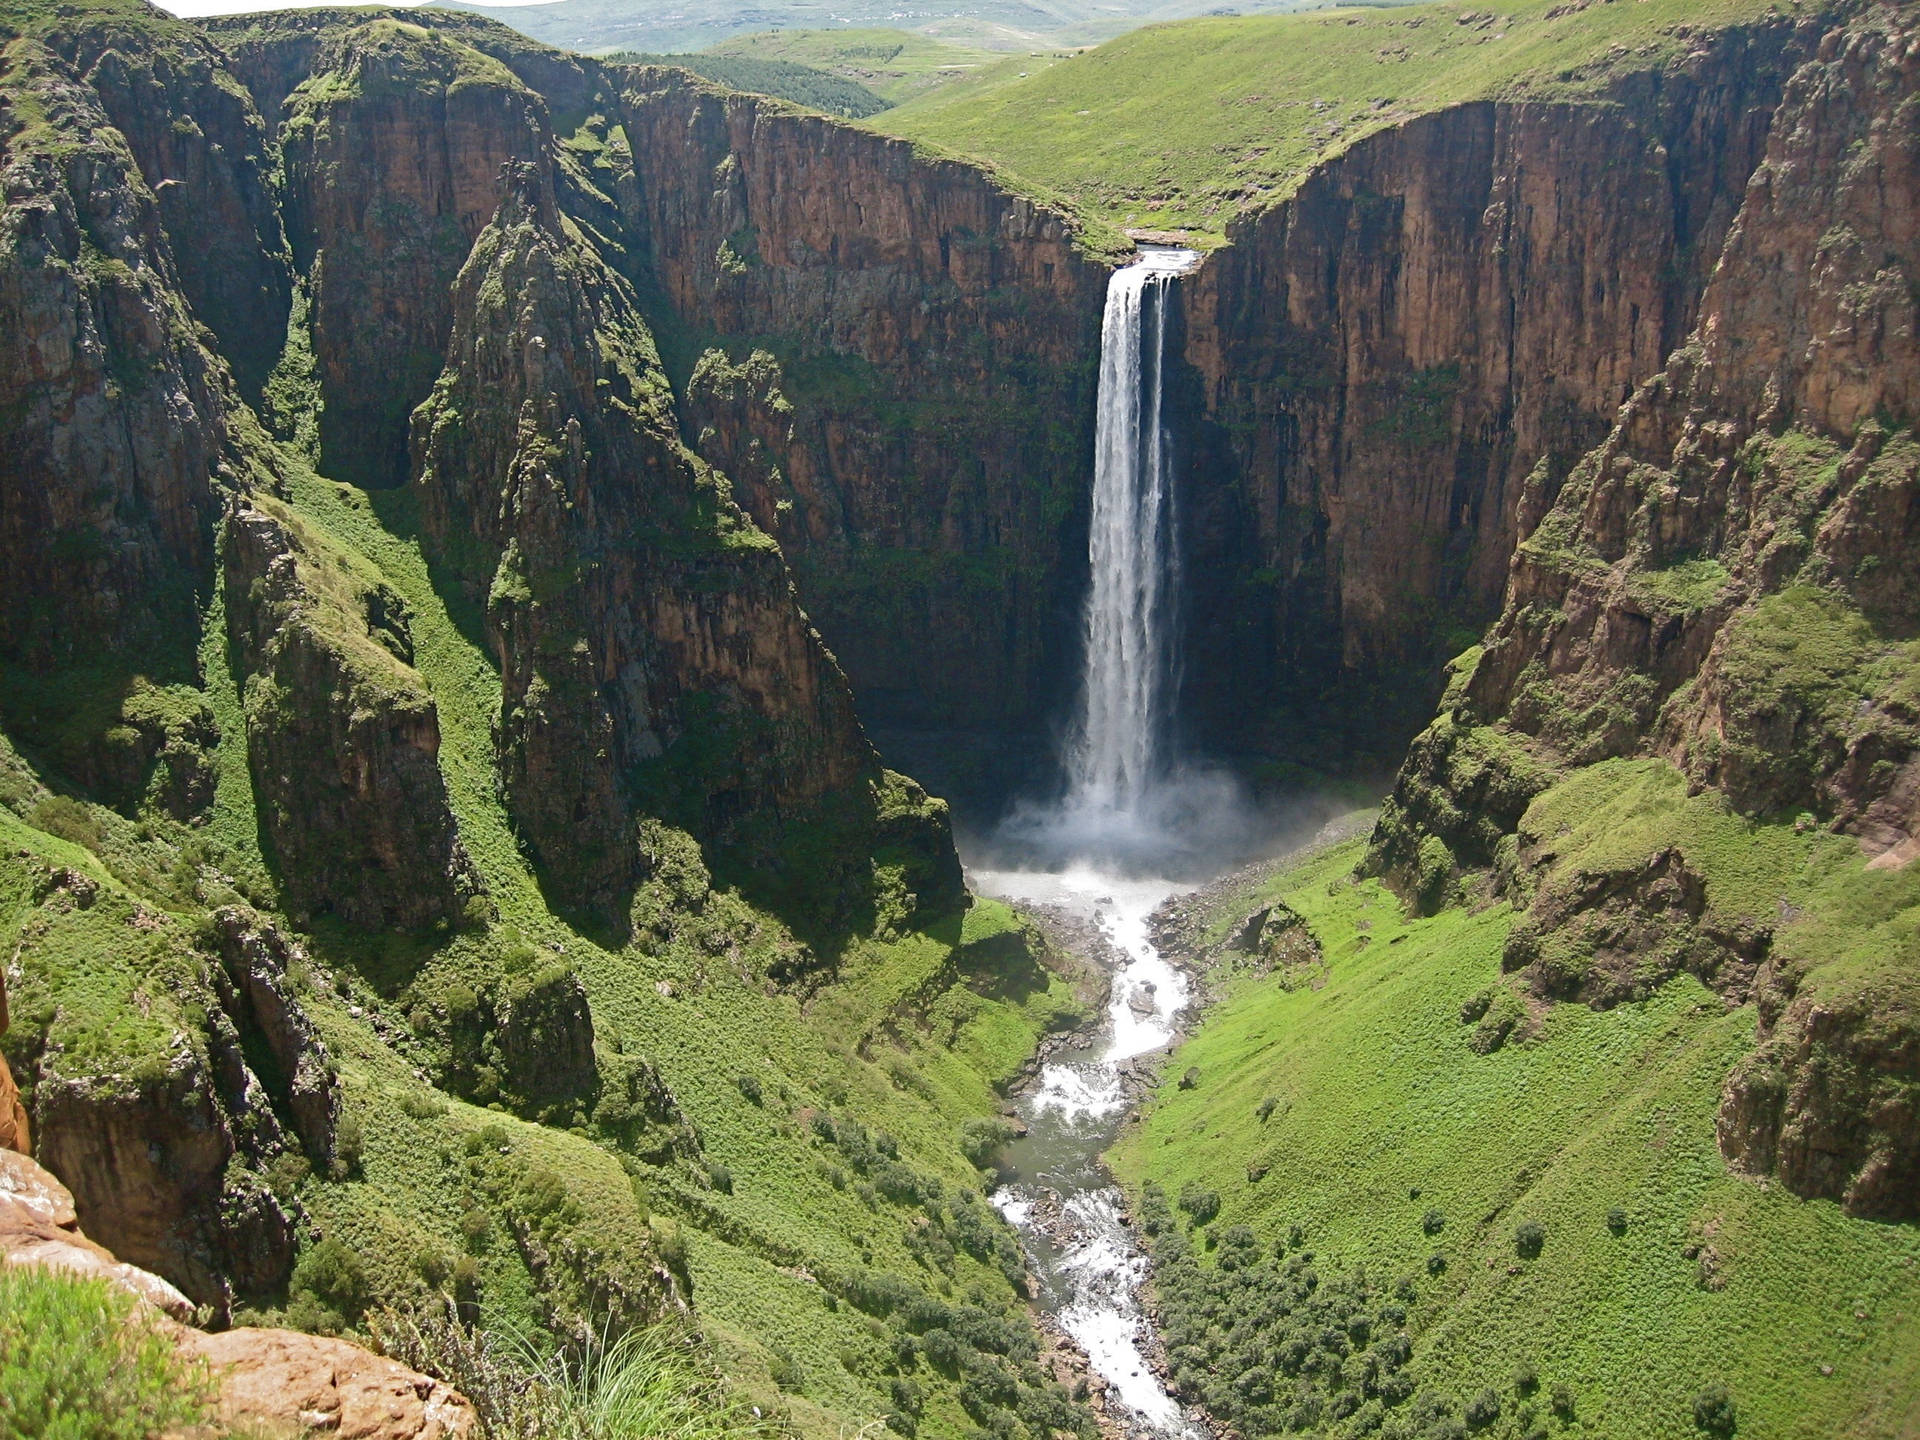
<point>1726,585</point>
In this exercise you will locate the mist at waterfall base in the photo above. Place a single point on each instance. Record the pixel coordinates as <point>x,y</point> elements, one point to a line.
<point>1128,827</point>
<point>1127,805</point>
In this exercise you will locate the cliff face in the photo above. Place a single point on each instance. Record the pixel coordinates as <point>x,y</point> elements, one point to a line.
<point>1378,365</point>
<point>651,652</point>
<point>342,736</point>
<point>1727,582</point>
<point>918,431</point>
<point>393,147</point>
<point>117,418</point>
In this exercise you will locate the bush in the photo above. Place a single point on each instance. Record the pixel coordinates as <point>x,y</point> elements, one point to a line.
<point>349,1144</point>
<point>1563,1400</point>
<point>333,1276</point>
<point>1433,1222</point>
<point>720,1176</point>
<point>1617,1220</point>
<point>1529,1239</point>
<point>1483,1409</point>
<point>1200,1203</point>
<point>76,1360</point>
<point>633,1385</point>
<point>750,1088</point>
<point>1436,1264</point>
<point>785,1370</point>
<point>1265,1108</point>
<point>1526,1379</point>
<point>983,1138</point>
<point>1713,1411</point>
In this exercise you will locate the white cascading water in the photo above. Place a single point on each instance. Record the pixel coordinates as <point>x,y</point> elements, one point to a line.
<point>1132,552</point>
<point>1092,848</point>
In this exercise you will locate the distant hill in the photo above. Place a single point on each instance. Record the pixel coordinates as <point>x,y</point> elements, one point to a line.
<point>896,65</point>
<point>600,27</point>
<point>801,84</point>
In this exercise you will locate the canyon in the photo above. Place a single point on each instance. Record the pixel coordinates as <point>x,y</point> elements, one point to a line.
<point>506,557</point>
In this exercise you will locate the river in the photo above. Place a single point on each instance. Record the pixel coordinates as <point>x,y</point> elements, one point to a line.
<point>1054,1189</point>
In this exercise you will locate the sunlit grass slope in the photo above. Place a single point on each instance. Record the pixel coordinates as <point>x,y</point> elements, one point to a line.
<point>1661,1273</point>
<point>906,1038</point>
<point>1186,124</point>
<point>895,64</point>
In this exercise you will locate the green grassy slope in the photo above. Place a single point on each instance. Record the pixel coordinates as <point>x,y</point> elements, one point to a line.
<point>803,84</point>
<point>775,1218</point>
<point>705,1016</point>
<point>1382,1111</point>
<point>895,64</point>
<point>1185,125</point>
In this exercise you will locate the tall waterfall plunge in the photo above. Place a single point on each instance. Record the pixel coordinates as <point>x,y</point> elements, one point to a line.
<point>1115,756</point>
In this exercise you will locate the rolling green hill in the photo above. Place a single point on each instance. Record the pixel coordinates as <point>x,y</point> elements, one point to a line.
<point>1186,125</point>
<point>1364,1116</point>
<point>802,84</point>
<point>894,64</point>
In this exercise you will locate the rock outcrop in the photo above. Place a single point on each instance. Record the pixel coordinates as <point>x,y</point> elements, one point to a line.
<point>117,416</point>
<point>343,738</point>
<point>652,654</point>
<point>1726,581</point>
<point>278,1379</point>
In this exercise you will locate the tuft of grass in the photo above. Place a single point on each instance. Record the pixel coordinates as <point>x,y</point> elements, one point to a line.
<point>78,1363</point>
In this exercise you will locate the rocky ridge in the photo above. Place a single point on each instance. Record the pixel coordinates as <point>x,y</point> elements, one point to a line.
<point>1723,582</point>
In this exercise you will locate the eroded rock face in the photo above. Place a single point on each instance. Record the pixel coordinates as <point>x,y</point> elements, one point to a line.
<point>342,737</point>
<point>394,144</point>
<point>117,417</point>
<point>1725,581</point>
<point>1379,364</point>
<point>652,655</point>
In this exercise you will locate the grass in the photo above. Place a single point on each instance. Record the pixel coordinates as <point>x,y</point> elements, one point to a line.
<point>1186,125</point>
<point>896,65</point>
<point>1381,1112</point>
<point>912,1035</point>
<point>77,1363</point>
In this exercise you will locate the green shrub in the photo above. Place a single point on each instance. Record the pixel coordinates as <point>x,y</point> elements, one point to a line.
<point>333,1277</point>
<point>1433,1222</point>
<point>1436,1264</point>
<point>785,1370</point>
<point>1529,1239</point>
<point>349,1144</point>
<point>983,1138</point>
<point>1200,1203</point>
<point>1617,1220</point>
<point>1526,1379</point>
<point>1482,1410</point>
<point>1713,1411</point>
<point>750,1087</point>
<point>77,1363</point>
<point>1563,1400</point>
<point>68,819</point>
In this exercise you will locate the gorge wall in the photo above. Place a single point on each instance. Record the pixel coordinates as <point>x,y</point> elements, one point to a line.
<point>1726,582</point>
<point>1449,310</point>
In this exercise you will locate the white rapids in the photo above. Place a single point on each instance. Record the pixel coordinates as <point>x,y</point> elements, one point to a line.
<point>1125,813</point>
<point>1065,1207</point>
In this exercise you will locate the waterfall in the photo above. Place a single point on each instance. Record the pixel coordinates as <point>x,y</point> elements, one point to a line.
<point>1116,753</point>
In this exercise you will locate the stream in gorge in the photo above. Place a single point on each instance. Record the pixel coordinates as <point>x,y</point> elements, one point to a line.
<point>1130,829</point>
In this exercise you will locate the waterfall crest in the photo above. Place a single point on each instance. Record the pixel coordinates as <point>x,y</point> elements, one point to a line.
<point>1117,751</point>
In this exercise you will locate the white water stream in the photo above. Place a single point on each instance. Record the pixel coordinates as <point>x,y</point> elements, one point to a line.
<point>1123,813</point>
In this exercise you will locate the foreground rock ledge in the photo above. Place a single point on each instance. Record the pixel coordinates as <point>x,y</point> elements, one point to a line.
<point>282,1381</point>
